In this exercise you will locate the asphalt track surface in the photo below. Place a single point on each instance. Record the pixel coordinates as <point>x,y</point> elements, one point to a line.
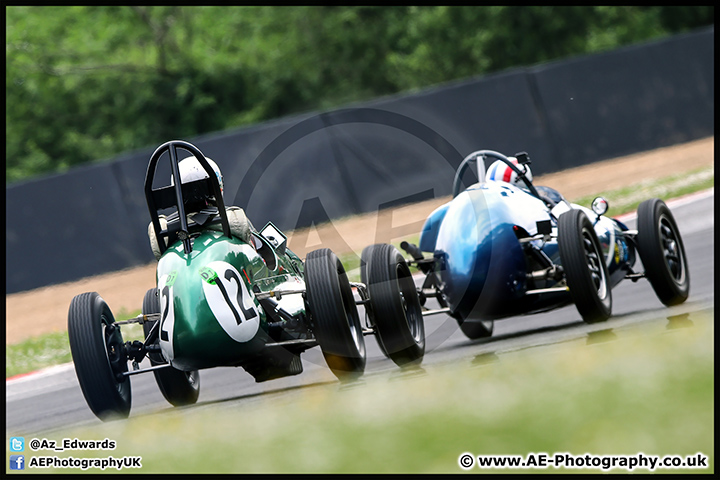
<point>51,401</point>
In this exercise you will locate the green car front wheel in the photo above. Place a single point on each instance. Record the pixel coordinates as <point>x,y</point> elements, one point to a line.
<point>178,387</point>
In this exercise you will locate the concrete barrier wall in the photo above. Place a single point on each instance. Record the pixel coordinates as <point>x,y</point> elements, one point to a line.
<point>302,170</point>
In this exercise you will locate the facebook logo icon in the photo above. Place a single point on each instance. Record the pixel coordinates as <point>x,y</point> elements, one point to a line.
<point>17,462</point>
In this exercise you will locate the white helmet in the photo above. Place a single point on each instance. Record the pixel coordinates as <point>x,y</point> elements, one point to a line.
<point>191,170</point>
<point>499,171</point>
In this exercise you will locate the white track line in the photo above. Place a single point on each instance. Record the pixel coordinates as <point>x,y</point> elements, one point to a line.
<point>675,202</point>
<point>44,372</point>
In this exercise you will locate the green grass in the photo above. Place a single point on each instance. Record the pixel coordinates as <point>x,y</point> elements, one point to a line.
<point>646,389</point>
<point>627,199</point>
<point>36,353</point>
<point>351,260</point>
<point>52,349</point>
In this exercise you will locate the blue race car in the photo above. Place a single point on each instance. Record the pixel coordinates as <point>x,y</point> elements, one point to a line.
<point>504,247</point>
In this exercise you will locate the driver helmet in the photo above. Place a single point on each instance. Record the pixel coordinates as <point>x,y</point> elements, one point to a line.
<point>191,170</point>
<point>499,171</point>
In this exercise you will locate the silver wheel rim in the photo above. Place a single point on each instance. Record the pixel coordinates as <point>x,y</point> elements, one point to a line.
<point>594,263</point>
<point>113,353</point>
<point>674,261</point>
<point>353,321</point>
<point>402,274</point>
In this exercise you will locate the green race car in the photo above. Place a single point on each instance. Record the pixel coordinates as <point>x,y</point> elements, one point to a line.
<point>229,295</point>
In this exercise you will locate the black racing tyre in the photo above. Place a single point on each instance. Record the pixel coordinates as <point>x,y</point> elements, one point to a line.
<point>335,319</point>
<point>394,304</point>
<point>98,353</point>
<point>178,387</point>
<point>477,329</point>
<point>585,268</point>
<point>662,252</point>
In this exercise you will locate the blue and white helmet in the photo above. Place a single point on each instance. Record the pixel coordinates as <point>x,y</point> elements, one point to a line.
<point>499,171</point>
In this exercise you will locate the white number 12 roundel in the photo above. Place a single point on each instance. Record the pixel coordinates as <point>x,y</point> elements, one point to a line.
<point>230,302</point>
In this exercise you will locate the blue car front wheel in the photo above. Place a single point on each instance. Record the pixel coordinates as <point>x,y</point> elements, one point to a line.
<point>662,252</point>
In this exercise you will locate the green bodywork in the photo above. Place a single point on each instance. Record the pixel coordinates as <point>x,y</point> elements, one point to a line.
<point>213,319</point>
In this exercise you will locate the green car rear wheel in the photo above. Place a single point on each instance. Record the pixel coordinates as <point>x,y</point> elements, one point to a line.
<point>335,319</point>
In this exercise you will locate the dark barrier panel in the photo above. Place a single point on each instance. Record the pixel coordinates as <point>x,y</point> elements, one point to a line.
<point>281,168</point>
<point>634,99</point>
<point>496,112</point>
<point>67,227</point>
<point>311,168</point>
<point>389,151</point>
<point>398,148</point>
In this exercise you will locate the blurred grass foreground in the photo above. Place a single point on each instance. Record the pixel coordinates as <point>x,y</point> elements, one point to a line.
<point>646,388</point>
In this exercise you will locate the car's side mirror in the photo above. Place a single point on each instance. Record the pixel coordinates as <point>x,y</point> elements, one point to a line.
<point>276,238</point>
<point>523,158</point>
<point>600,206</point>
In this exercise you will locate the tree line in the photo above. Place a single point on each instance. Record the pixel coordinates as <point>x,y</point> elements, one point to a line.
<point>87,83</point>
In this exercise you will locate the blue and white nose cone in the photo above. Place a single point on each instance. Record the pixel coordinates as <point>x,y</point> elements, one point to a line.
<point>480,262</point>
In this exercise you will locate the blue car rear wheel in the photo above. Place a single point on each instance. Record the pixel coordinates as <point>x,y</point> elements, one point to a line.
<point>584,264</point>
